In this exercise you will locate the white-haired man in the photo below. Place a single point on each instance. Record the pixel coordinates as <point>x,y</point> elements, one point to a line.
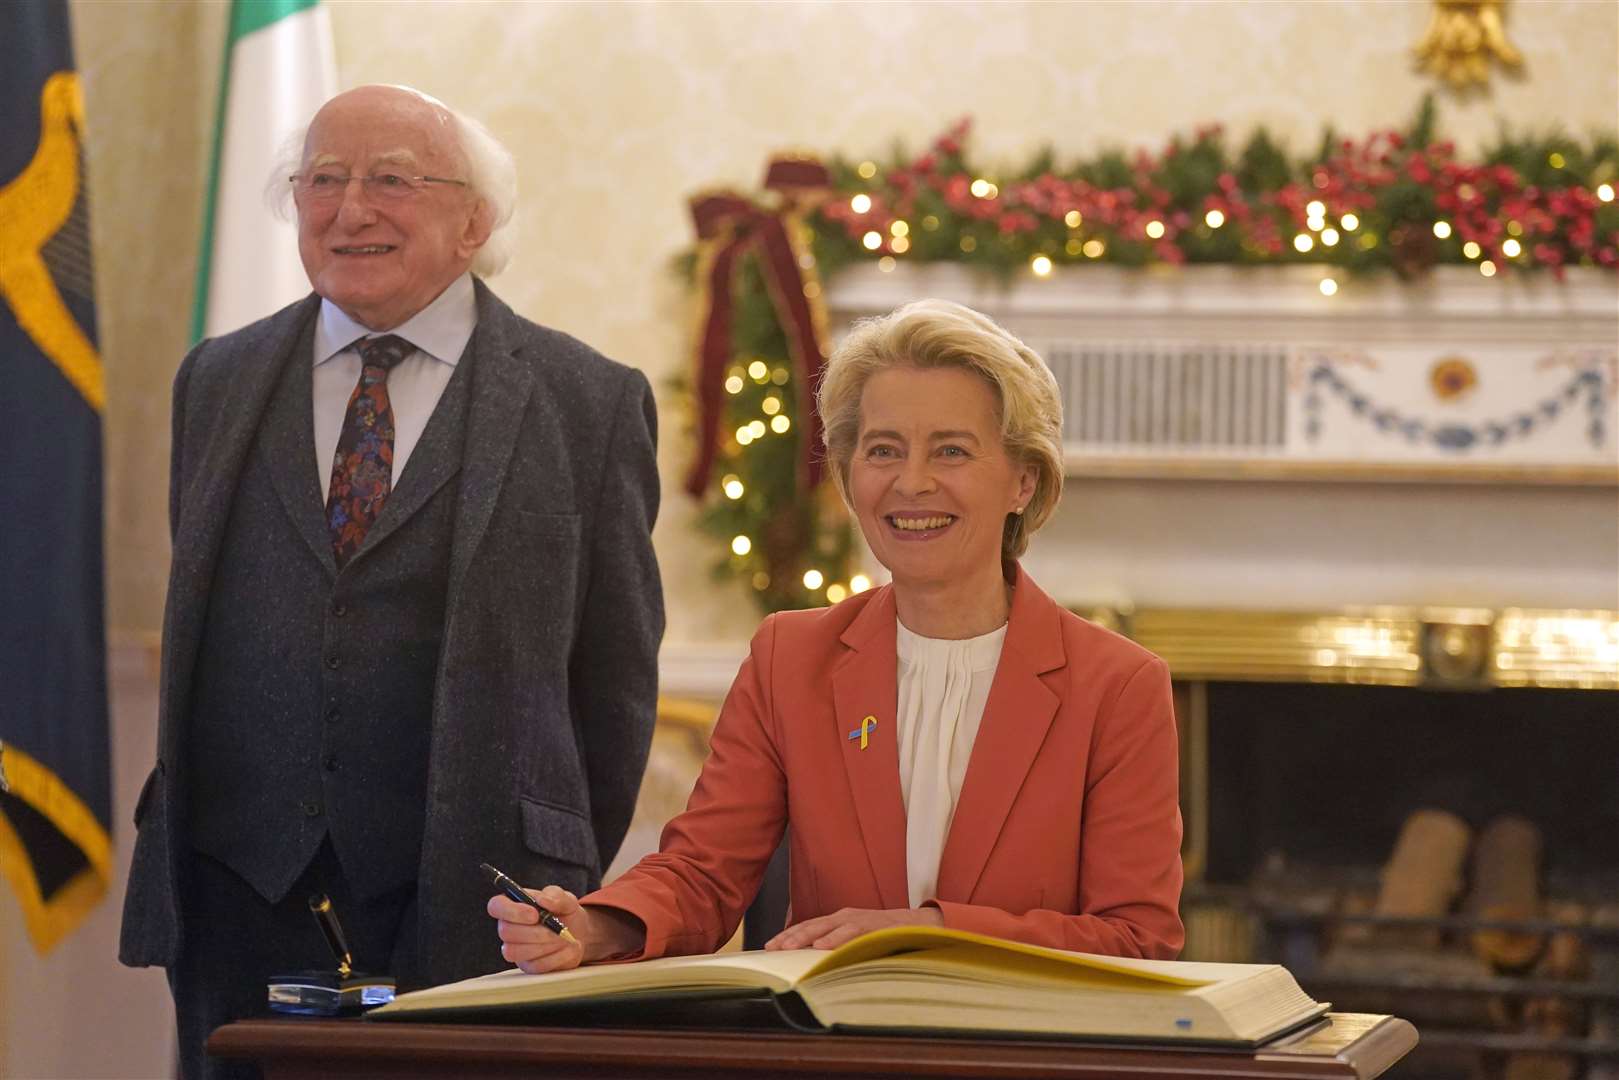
<point>413,611</point>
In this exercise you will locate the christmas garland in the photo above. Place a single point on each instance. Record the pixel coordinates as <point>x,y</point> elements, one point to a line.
<point>1397,201</point>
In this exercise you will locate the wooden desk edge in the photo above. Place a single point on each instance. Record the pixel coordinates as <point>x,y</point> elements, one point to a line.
<point>310,1047</point>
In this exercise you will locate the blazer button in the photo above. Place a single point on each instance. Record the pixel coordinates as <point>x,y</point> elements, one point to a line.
<point>333,662</point>
<point>340,609</point>
<point>330,762</point>
<point>311,809</point>
<point>333,715</point>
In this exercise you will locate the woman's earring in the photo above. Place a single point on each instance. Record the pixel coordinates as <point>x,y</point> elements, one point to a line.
<point>1018,511</point>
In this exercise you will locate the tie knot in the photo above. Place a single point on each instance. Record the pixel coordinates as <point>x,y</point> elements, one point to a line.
<point>383,352</point>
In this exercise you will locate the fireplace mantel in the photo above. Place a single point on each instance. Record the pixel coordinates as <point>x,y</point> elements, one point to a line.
<point>1255,372</point>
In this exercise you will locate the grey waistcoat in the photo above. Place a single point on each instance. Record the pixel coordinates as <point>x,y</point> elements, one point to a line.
<point>314,687</point>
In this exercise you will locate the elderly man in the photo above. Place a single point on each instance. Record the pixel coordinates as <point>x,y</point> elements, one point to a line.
<point>413,613</point>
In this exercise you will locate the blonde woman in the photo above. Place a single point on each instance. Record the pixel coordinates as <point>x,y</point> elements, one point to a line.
<point>951,749</point>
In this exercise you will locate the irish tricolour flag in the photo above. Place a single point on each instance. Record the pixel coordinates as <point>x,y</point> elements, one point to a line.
<point>279,68</point>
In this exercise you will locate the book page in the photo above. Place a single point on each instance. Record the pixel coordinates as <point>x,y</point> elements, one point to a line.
<point>773,971</point>
<point>902,939</point>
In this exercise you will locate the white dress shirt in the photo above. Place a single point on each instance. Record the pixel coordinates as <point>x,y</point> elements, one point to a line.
<point>440,332</point>
<point>943,687</point>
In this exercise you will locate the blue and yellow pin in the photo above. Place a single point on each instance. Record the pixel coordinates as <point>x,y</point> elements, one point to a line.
<point>863,732</point>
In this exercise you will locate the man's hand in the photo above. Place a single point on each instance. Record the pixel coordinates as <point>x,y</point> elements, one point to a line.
<point>830,931</point>
<point>531,946</point>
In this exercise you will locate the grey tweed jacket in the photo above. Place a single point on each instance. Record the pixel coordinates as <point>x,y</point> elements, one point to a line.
<point>546,687</point>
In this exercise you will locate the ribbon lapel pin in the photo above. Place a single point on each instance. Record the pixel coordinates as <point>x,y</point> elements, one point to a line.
<point>863,732</point>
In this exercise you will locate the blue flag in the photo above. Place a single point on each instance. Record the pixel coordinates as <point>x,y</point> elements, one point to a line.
<point>54,770</point>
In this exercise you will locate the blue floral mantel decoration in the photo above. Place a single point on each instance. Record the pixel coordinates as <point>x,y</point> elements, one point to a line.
<point>1589,383</point>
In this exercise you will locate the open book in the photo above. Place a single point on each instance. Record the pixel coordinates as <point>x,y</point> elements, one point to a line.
<point>924,978</point>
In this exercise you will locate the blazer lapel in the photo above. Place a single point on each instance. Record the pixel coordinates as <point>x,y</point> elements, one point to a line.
<point>1017,716</point>
<point>866,684</point>
<point>501,385</point>
<point>289,444</point>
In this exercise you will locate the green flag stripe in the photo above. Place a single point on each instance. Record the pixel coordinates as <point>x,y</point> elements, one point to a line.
<point>247,16</point>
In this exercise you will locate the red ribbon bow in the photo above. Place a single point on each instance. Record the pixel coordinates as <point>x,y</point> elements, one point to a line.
<point>728,227</point>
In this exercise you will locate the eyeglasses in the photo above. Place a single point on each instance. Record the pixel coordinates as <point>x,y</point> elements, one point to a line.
<point>323,186</point>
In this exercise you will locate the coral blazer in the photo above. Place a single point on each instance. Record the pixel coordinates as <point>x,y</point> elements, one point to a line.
<point>1066,833</point>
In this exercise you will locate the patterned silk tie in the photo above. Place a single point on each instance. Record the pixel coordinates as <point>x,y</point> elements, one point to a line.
<point>362,470</point>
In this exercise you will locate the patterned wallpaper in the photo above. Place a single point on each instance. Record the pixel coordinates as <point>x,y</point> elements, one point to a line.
<point>617,112</point>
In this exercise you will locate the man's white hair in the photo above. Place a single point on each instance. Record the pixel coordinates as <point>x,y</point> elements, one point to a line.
<point>491,176</point>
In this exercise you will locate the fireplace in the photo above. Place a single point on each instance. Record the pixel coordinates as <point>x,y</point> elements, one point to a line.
<point>1355,783</point>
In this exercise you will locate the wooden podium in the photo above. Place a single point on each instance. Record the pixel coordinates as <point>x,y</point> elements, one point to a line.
<point>1343,1045</point>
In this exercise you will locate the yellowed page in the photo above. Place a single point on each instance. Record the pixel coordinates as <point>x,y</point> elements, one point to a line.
<point>881,943</point>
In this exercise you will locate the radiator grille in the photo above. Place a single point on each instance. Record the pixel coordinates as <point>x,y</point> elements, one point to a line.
<point>1157,396</point>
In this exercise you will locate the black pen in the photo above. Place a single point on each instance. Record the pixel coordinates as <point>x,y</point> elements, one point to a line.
<point>515,891</point>
<point>321,906</point>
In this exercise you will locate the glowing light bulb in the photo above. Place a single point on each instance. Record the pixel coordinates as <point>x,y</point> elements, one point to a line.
<point>1073,219</point>
<point>899,228</point>
<point>733,384</point>
<point>741,545</point>
<point>1471,250</point>
<point>1511,248</point>
<point>886,264</point>
<point>1315,208</point>
<point>744,435</point>
<point>771,405</point>
<point>780,424</point>
<point>1214,219</point>
<point>872,240</point>
<point>1094,249</point>
<point>732,486</point>
<point>980,188</point>
<point>813,579</point>
<point>1441,229</point>
<point>1155,229</point>
<point>900,245</point>
<point>836,594</point>
<point>1041,266</point>
<point>1329,237</point>
<point>859,583</point>
<point>1487,268</point>
<point>861,203</point>
<point>1350,222</point>
<point>1329,287</point>
<point>756,428</point>
<point>1605,192</point>
<point>867,169</point>
<point>758,371</point>
<point>1556,160</point>
<point>1303,242</point>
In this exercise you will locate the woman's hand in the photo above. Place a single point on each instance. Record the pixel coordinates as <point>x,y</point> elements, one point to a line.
<point>830,931</point>
<point>600,933</point>
<point>529,945</point>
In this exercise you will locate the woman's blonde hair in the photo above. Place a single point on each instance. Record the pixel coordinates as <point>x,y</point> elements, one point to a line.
<point>939,334</point>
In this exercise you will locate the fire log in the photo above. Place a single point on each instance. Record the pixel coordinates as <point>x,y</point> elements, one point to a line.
<point>1506,886</point>
<point>1423,875</point>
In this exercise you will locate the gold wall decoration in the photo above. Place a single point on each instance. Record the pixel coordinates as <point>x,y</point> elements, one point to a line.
<point>1462,38</point>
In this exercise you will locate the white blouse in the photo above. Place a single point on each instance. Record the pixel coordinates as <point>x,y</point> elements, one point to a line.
<point>943,686</point>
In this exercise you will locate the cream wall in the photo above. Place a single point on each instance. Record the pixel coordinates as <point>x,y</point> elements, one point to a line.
<point>616,113</point>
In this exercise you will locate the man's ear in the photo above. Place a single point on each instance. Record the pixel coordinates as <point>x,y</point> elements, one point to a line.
<point>480,223</point>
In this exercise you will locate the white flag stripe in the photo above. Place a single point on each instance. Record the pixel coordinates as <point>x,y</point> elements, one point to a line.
<point>279,75</point>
